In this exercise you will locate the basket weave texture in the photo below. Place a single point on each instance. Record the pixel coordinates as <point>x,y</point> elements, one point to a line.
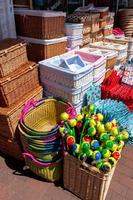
<point>12,55</point>
<point>40,27</point>
<point>37,52</point>
<point>17,84</point>
<point>9,117</point>
<point>85,182</point>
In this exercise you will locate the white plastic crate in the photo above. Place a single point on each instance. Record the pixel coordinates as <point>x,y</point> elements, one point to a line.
<point>74,41</point>
<point>98,61</point>
<point>7,22</point>
<point>78,107</point>
<point>121,49</point>
<point>99,79</point>
<point>50,69</point>
<point>73,29</point>
<point>74,96</point>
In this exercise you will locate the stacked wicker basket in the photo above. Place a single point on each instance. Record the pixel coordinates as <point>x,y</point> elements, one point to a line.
<point>43,30</point>
<point>18,83</point>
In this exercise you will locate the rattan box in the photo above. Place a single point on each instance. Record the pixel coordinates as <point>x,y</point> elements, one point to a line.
<point>12,55</point>
<point>40,24</point>
<point>85,181</point>
<point>10,147</point>
<point>9,117</point>
<point>38,50</point>
<point>17,84</point>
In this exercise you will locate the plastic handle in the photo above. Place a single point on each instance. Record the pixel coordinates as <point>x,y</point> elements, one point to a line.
<point>30,156</point>
<point>71,111</point>
<point>30,104</point>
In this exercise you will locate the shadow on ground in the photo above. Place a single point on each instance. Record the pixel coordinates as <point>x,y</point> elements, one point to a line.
<point>19,169</point>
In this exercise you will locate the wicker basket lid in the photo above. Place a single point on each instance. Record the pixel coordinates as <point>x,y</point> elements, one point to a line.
<point>9,44</point>
<point>7,111</point>
<point>19,72</point>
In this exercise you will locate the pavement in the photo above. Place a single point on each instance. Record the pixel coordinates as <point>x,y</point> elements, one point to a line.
<point>19,184</point>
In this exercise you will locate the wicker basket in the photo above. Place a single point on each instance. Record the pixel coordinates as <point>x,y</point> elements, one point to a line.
<point>42,49</point>
<point>10,147</point>
<point>9,117</point>
<point>42,118</point>
<point>13,87</point>
<point>86,182</point>
<point>12,55</point>
<point>49,172</point>
<point>40,24</point>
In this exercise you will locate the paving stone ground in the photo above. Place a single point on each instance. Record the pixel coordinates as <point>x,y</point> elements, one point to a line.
<point>16,184</point>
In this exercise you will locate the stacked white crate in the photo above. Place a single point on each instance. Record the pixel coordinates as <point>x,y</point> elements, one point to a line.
<point>64,83</point>
<point>7,22</point>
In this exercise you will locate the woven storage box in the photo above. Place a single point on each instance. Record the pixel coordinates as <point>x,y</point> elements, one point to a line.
<point>51,69</point>
<point>94,23</point>
<point>38,50</point>
<point>21,3</point>
<point>107,30</point>
<point>85,181</point>
<point>121,49</point>
<point>111,56</point>
<point>119,40</point>
<point>74,41</point>
<point>40,24</point>
<point>17,84</point>
<point>97,36</point>
<point>12,55</point>
<point>73,29</point>
<point>103,11</point>
<point>74,96</point>
<point>86,38</point>
<point>9,117</point>
<point>10,147</point>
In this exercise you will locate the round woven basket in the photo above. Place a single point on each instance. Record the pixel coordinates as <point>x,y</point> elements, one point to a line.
<point>42,119</point>
<point>51,172</point>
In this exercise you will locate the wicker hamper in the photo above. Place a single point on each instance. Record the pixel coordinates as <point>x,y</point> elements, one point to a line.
<point>38,50</point>
<point>12,55</point>
<point>87,182</point>
<point>40,24</point>
<point>18,83</point>
<point>9,117</point>
<point>10,147</point>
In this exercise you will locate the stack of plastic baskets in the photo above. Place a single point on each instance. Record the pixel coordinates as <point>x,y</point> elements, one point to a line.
<point>74,33</point>
<point>40,137</point>
<point>66,76</point>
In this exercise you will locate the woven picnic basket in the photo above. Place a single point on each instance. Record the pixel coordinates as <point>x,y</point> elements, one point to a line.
<point>9,117</point>
<point>85,181</point>
<point>12,55</point>
<point>18,83</point>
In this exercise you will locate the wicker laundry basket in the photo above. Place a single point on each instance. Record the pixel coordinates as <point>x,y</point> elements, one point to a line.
<point>12,55</point>
<point>38,50</point>
<point>87,182</point>
<point>9,117</point>
<point>40,24</point>
<point>18,83</point>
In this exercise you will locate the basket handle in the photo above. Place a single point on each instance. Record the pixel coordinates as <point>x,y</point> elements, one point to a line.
<point>30,104</point>
<point>30,156</point>
<point>71,111</point>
